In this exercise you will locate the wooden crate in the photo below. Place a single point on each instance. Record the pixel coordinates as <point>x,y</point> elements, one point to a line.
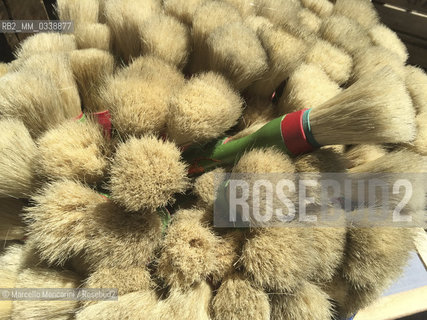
<point>21,10</point>
<point>408,18</point>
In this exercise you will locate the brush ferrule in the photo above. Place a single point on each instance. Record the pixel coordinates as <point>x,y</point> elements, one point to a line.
<point>104,119</point>
<point>296,132</point>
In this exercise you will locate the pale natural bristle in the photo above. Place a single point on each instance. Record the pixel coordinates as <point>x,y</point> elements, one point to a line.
<point>190,252</point>
<point>416,82</point>
<point>308,302</point>
<point>385,37</point>
<point>264,161</point>
<point>128,306</point>
<point>32,98</point>
<point>154,69</point>
<point>257,22</point>
<point>284,54</point>
<point>58,68</point>
<point>398,164</point>
<point>78,11</point>
<point>348,298</point>
<point>10,262</point>
<point>203,109</point>
<point>138,106</point>
<point>61,205</point>
<point>236,298</point>
<point>309,21</point>
<point>138,95</point>
<point>207,18</point>
<point>345,33</point>
<point>322,8</point>
<point>363,153</point>
<point>258,110</point>
<point>246,8</point>
<point>273,165</point>
<point>124,18</point>
<point>90,69</point>
<point>146,173</point>
<point>39,276</point>
<point>283,13</point>
<point>205,187</point>
<point>182,9</point>
<point>4,68</point>
<point>235,51</point>
<point>307,87</point>
<point>376,109</point>
<point>420,143</point>
<point>376,256</point>
<point>368,61</point>
<point>269,249</point>
<point>334,61</point>
<point>124,279</point>
<point>210,16</point>
<point>45,43</point>
<point>91,220</point>
<point>73,150</point>
<point>11,225</point>
<point>362,11</point>
<point>191,304</point>
<point>17,152</point>
<point>166,38</point>
<point>93,35</point>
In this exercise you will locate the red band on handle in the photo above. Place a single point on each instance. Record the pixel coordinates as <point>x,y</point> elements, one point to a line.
<point>79,117</point>
<point>104,119</point>
<point>293,133</point>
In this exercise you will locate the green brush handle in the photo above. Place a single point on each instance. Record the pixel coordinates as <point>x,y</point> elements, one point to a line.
<point>223,152</point>
<point>291,133</point>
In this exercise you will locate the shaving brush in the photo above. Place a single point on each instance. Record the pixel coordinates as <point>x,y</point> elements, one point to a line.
<point>91,220</point>
<point>361,11</point>
<point>124,17</point>
<point>363,113</point>
<point>146,173</point>
<point>74,150</point>
<point>237,298</point>
<point>93,35</point>
<point>385,37</point>
<point>90,69</point>
<point>309,301</point>
<point>138,96</point>
<point>45,42</point>
<point>203,109</point>
<point>191,252</point>
<point>167,38</point>
<point>17,154</point>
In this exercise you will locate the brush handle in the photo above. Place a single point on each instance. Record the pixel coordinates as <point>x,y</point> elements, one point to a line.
<point>291,133</point>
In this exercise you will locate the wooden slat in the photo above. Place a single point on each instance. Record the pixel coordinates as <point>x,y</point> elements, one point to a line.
<point>26,10</point>
<point>416,5</point>
<point>402,21</point>
<point>395,306</point>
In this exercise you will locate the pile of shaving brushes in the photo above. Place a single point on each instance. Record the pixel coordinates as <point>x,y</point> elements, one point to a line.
<point>111,139</point>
